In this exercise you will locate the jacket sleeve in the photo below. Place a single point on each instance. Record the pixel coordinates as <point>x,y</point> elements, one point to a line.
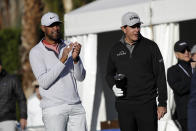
<point>179,85</point>
<point>192,101</point>
<point>79,71</point>
<point>16,84</point>
<point>44,77</point>
<point>110,71</point>
<point>160,79</point>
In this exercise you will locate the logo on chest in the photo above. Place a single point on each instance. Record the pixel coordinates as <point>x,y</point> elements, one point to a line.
<point>121,53</point>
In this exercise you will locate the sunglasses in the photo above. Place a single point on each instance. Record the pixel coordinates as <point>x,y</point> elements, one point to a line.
<point>184,50</point>
<point>136,25</point>
<point>55,24</point>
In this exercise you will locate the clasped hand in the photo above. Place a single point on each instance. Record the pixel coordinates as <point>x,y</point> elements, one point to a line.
<point>75,48</point>
<point>76,51</point>
<point>161,111</point>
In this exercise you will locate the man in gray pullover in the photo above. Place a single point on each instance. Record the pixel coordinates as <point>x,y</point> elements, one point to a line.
<point>56,65</point>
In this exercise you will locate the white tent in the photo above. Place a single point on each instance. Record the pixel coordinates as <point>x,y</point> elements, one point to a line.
<point>105,15</point>
<point>88,22</point>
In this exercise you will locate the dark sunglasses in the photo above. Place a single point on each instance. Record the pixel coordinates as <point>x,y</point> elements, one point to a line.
<point>184,50</point>
<point>136,25</point>
<point>55,24</point>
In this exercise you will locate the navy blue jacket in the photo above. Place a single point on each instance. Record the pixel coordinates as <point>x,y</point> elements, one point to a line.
<point>192,105</point>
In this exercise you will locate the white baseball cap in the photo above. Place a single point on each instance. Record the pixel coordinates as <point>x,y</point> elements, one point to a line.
<point>49,18</point>
<point>130,19</point>
<point>193,50</point>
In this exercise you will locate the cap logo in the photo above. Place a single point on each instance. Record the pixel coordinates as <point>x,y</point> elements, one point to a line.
<point>134,17</point>
<point>51,17</point>
<point>182,44</point>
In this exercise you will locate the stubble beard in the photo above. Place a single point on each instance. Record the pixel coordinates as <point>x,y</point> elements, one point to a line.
<point>53,37</point>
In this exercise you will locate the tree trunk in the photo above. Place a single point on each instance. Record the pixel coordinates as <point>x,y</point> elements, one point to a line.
<point>68,5</point>
<point>30,24</point>
<point>10,13</point>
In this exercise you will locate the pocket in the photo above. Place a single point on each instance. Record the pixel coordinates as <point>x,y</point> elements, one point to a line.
<point>55,109</point>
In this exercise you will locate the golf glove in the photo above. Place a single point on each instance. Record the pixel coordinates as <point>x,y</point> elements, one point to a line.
<point>117,91</point>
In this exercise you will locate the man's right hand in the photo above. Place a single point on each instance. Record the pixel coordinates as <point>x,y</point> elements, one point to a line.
<point>193,64</point>
<point>23,123</point>
<point>117,91</point>
<point>66,52</point>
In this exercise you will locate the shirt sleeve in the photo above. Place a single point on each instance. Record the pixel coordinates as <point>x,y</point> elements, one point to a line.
<point>44,77</point>
<point>79,71</point>
<point>16,83</point>
<point>110,71</point>
<point>159,72</point>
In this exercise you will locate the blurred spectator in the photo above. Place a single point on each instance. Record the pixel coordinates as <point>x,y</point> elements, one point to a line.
<point>10,93</point>
<point>192,101</point>
<point>192,106</point>
<point>179,79</point>
<point>34,121</point>
<point>193,57</point>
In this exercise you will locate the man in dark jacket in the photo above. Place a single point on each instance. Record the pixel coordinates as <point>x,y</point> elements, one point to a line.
<point>179,79</point>
<point>192,98</point>
<point>141,62</point>
<point>10,93</point>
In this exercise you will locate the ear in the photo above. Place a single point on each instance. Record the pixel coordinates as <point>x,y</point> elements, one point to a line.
<point>123,29</point>
<point>43,28</point>
<point>177,55</point>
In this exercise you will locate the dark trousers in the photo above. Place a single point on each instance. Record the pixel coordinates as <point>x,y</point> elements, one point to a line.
<point>134,117</point>
<point>183,124</point>
<point>192,118</point>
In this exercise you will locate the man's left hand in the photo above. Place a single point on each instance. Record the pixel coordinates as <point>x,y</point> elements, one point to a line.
<point>193,64</point>
<point>161,111</point>
<point>76,51</point>
<point>23,123</point>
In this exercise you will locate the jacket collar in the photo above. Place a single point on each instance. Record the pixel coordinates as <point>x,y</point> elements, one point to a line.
<point>122,40</point>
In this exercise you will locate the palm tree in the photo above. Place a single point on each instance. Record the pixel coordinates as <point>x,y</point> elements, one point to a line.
<point>10,13</point>
<point>30,22</point>
<point>68,5</point>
